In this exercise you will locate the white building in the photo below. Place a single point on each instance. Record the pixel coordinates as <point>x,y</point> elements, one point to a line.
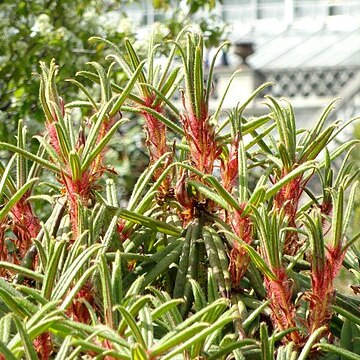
<point>309,48</point>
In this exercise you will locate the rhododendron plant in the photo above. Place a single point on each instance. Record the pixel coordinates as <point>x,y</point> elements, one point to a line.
<point>224,250</point>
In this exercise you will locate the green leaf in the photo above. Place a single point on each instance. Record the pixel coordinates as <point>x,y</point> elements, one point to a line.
<point>104,81</point>
<point>266,348</point>
<point>138,352</point>
<point>52,270</point>
<point>77,287</point>
<point>75,165</point>
<point>194,339</point>
<point>72,272</point>
<point>107,299</point>
<point>222,192</point>
<point>133,326</point>
<point>256,313</point>
<point>299,171</point>
<point>255,257</point>
<point>169,123</point>
<point>180,280</point>
<point>98,121</point>
<point>30,352</point>
<point>124,96</point>
<point>30,156</point>
<point>345,354</point>
<point>209,193</point>
<point>149,222</point>
<point>100,146</point>
<point>310,342</point>
<point>211,72</point>
<point>4,351</point>
<point>159,311</point>
<point>135,62</point>
<point>22,270</point>
<point>347,314</point>
<point>177,338</point>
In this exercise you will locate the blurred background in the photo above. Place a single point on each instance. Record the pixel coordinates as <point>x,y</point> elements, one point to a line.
<point>310,49</point>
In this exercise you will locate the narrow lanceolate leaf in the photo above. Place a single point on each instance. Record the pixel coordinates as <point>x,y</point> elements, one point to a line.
<point>85,91</point>
<point>182,270</point>
<point>211,72</point>
<point>338,221</point>
<point>95,128</point>
<point>104,81</point>
<point>50,150</point>
<point>223,258</point>
<point>198,81</point>
<point>286,179</point>
<point>62,353</point>
<point>16,197</point>
<point>30,156</point>
<point>21,161</point>
<point>255,314</point>
<point>132,325</point>
<point>72,272</point>
<point>348,315</point>
<point>219,324</point>
<point>266,353</point>
<point>143,182</point>
<point>309,344</point>
<point>29,350</point>
<point>124,96</point>
<point>6,176</point>
<point>138,353</point>
<point>100,146</point>
<point>345,354</point>
<point>79,284</point>
<point>255,257</point>
<point>64,143</point>
<point>214,261</point>
<point>209,193</point>
<point>350,205</point>
<point>21,270</point>
<point>147,328</point>
<point>159,311</point>
<point>177,339</point>
<point>169,123</point>
<point>5,351</point>
<point>75,165</point>
<point>163,264</point>
<point>52,270</point>
<point>106,292</point>
<point>150,223</point>
<point>219,107</point>
<point>162,98</point>
<point>222,192</point>
<point>243,173</point>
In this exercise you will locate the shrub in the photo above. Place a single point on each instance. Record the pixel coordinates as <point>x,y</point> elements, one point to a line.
<point>223,250</point>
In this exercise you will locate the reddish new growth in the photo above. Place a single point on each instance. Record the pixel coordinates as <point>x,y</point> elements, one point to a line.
<point>200,135</point>
<point>77,310</point>
<point>283,310</point>
<point>155,134</point>
<point>43,346</point>
<point>288,199</point>
<point>25,225</point>
<point>78,190</point>
<point>204,150</point>
<point>239,258</point>
<point>229,168</point>
<point>322,294</point>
